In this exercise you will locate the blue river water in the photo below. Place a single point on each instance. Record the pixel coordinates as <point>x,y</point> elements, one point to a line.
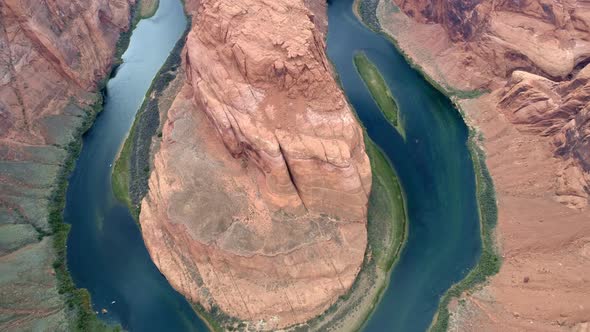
<point>434,167</point>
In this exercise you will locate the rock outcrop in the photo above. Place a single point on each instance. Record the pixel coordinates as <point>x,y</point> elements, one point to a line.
<point>560,110</point>
<point>532,56</point>
<point>53,53</point>
<point>258,198</point>
<point>548,37</point>
<point>535,52</point>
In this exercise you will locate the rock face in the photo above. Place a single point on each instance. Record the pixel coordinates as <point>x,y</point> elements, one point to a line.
<point>560,110</point>
<point>258,199</point>
<point>52,55</point>
<point>536,52</point>
<point>533,57</point>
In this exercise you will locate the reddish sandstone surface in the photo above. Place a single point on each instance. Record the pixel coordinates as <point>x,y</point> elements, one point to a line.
<point>52,55</point>
<point>258,198</point>
<point>52,52</point>
<point>533,56</point>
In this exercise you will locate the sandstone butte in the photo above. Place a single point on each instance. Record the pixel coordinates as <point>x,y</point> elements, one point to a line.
<point>258,197</point>
<point>533,57</point>
<point>53,53</point>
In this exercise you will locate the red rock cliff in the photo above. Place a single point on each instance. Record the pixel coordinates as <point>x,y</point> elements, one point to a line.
<point>258,201</point>
<point>52,55</point>
<point>52,52</point>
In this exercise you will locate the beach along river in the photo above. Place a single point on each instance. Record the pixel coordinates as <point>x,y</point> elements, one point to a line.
<point>434,167</point>
<point>106,253</point>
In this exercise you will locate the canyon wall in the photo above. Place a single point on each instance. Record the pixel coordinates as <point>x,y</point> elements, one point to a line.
<point>537,53</point>
<point>53,54</point>
<point>258,197</point>
<point>532,58</point>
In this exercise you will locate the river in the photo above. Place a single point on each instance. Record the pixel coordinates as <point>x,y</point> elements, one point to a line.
<point>434,167</point>
<point>106,253</point>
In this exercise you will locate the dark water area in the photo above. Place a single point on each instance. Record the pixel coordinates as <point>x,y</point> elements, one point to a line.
<point>434,167</point>
<point>106,253</point>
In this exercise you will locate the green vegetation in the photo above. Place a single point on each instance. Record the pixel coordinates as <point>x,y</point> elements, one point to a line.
<point>216,320</point>
<point>379,91</point>
<point>464,94</point>
<point>77,299</point>
<point>120,176</point>
<point>367,10</point>
<point>125,178</point>
<point>387,219</point>
<point>489,262</point>
<point>148,8</point>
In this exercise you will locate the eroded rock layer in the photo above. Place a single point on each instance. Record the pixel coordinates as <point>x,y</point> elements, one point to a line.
<point>534,52</point>
<point>52,55</point>
<point>258,199</point>
<point>532,56</point>
<point>538,50</point>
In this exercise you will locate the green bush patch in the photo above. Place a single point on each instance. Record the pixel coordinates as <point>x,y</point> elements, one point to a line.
<point>387,219</point>
<point>489,262</point>
<point>379,91</point>
<point>132,165</point>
